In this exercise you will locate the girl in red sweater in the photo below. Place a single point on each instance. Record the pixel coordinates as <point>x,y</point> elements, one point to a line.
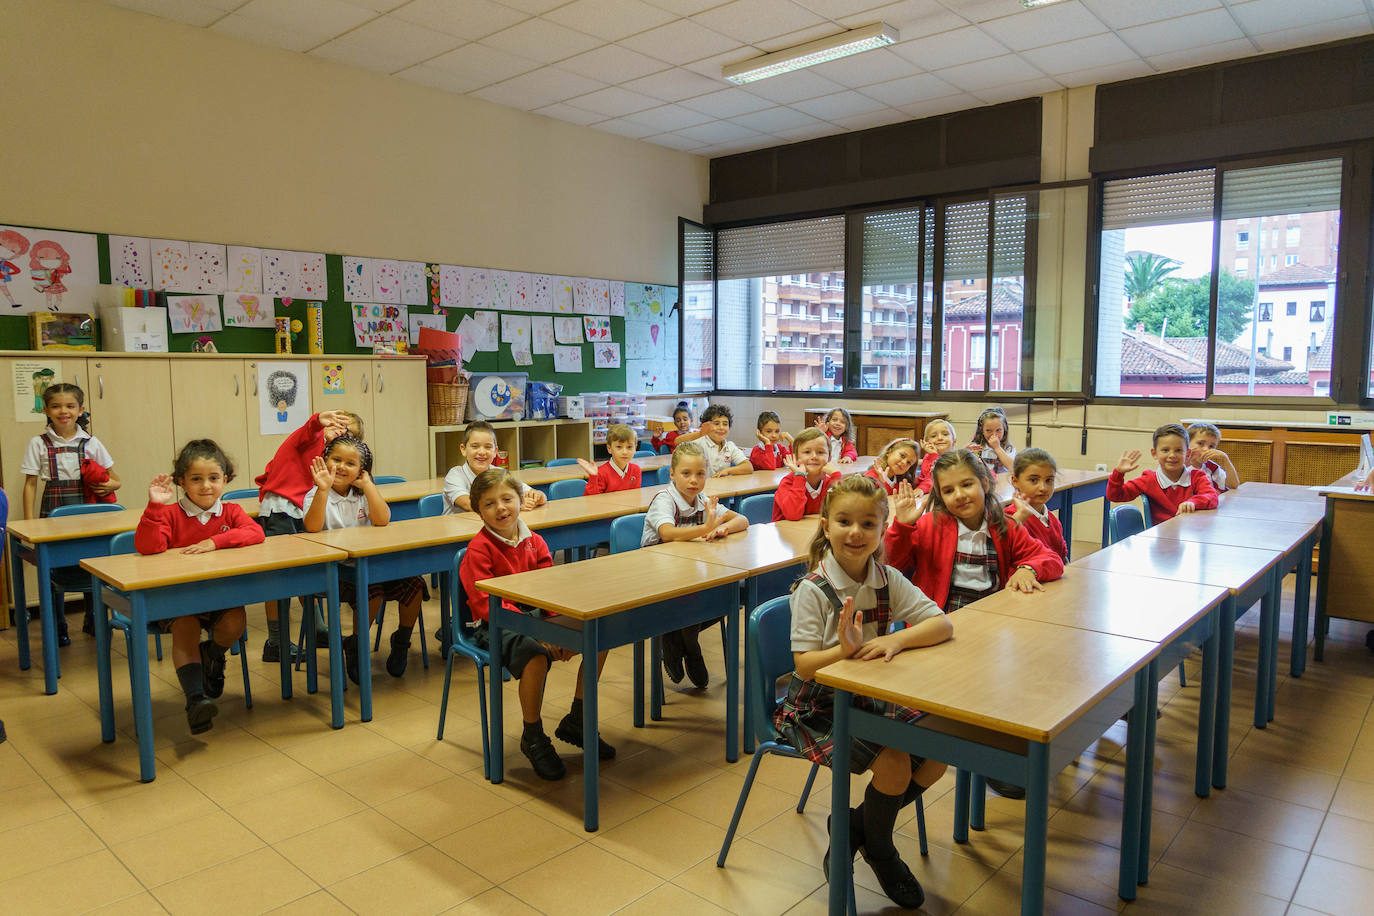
<point>897,462</point>
<point>939,437</point>
<point>839,435</point>
<point>618,473</point>
<point>801,492</point>
<point>774,444</point>
<point>198,523</point>
<point>1032,476</point>
<point>505,545</point>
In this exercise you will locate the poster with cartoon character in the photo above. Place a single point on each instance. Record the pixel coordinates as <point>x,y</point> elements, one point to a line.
<point>30,380</point>
<point>283,397</point>
<point>43,270</point>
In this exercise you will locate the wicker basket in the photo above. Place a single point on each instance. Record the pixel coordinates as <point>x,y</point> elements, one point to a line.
<point>448,402</point>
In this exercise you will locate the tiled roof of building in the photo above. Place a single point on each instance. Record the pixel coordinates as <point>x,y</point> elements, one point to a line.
<point>1182,358</point>
<point>1322,358</point>
<point>1229,358</point>
<point>1007,302</point>
<point>1146,356</point>
<point>1291,377</point>
<point>1297,275</point>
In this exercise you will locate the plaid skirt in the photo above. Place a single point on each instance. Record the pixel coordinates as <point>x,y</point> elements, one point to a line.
<point>959,597</point>
<point>402,591</point>
<point>806,720</point>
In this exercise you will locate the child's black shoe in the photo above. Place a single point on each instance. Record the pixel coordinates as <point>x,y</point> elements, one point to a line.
<point>1006,789</point>
<point>213,663</point>
<point>400,648</point>
<point>570,730</point>
<point>696,669</point>
<point>271,651</point>
<point>62,638</point>
<point>671,648</point>
<point>856,838</point>
<point>350,651</point>
<point>200,713</point>
<point>545,760</point>
<point>88,624</point>
<point>897,881</point>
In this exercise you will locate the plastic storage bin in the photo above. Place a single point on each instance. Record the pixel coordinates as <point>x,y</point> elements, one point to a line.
<point>497,396</point>
<point>541,400</point>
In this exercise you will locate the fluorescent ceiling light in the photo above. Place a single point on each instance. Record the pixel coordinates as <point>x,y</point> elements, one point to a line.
<point>1032,4</point>
<point>811,53</point>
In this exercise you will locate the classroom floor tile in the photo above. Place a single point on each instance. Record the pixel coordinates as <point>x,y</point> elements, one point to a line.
<point>274,809</point>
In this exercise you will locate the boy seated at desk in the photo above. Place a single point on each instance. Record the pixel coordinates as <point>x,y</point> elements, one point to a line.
<point>619,472</point>
<point>1173,487</point>
<point>1203,439</point>
<point>479,451</point>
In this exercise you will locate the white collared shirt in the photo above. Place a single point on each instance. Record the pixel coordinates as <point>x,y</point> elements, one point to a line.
<point>196,512</point>
<point>621,472</point>
<point>720,457</point>
<point>347,510</point>
<point>1184,480</point>
<point>458,482</point>
<point>815,623</point>
<point>522,531</point>
<point>35,463</point>
<point>972,541</point>
<point>993,460</point>
<point>1042,514</point>
<point>667,507</point>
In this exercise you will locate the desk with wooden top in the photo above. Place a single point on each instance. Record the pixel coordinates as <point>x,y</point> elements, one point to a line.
<point>172,584</point>
<point>1057,690</point>
<point>638,595</point>
<point>1245,572</point>
<point>1285,491</point>
<point>395,551</point>
<point>1345,579</point>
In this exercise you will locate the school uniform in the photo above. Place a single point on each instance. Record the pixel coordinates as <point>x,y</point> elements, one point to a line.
<point>58,463</point>
<point>458,482</point>
<point>1044,527</point>
<point>671,507</point>
<point>795,497</point>
<point>669,439</point>
<point>840,447</point>
<point>889,485</point>
<point>489,555</point>
<point>925,478</point>
<point>283,485</point>
<point>806,717</point>
<point>769,457</point>
<point>955,565</point>
<point>350,510</point>
<point>1165,495</point>
<point>720,457</point>
<point>1216,475</point>
<point>163,527</point>
<point>611,479</point>
<point>991,460</point>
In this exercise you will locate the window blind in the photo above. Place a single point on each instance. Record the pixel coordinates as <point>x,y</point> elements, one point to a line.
<point>1158,200</point>
<point>966,240</point>
<point>1009,236</point>
<point>774,249</point>
<point>698,255</point>
<point>1297,187</point>
<point>892,247</point>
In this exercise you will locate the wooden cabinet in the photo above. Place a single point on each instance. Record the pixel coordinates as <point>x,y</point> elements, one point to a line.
<point>18,422</point>
<point>210,401</point>
<point>356,395</point>
<point>131,413</point>
<point>1305,454</point>
<point>399,408</point>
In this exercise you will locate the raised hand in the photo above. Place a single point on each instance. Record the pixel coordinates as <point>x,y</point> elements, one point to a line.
<point>851,628</point>
<point>907,504</point>
<point>334,418</point>
<point>882,472</point>
<point>787,437</point>
<point>819,422</point>
<point>829,468</point>
<point>926,447</point>
<point>363,480</point>
<point>587,466</point>
<point>321,474</point>
<point>712,504</point>
<point>790,461</point>
<point>761,437</point>
<point>162,490</point>
<point>1023,509</point>
<point>532,499</point>
<point>1130,460</point>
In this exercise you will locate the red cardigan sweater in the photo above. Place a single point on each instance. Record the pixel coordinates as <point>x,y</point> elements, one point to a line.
<point>924,480</point>
<point>1051,535</point>
<point>928,548</point>
<point>791,501</point>
<point>769,457</point>
<point>288,473</point>
<point>488,558</point>
<point>1163,503</point>
<point>606,480</point>
<point>669,439</point>
<point>164,527</point>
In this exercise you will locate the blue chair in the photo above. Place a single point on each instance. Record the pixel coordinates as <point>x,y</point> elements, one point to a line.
<point>61,582</point>
<point>1128,520</point>
<point>645,453</point>
<point>463,645</point>
<point>758,509</point>
<point>431,505</point>
<point>559,462</point>
<point>664,450</point>
<point>567,489</point>
<point>245,493</point>
<point>665,474</point>
<point>769,654</point>
<point>392,478</point>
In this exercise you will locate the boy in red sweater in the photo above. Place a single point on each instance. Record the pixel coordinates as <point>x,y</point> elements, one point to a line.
<point>1032,476</point>
<point>282,488</point>
<point>198,523</point>
<point>801,492</point>
<point>772,451</point>
<point>682,419</point>
<point>1173,487</point>
<point>620,472</point>
<point>505,545</point>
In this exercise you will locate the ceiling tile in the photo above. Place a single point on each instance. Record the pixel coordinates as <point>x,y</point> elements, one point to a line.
<point>1258,16</point>
<point>755,20</point>
<point>793,87</point>
<point>879,118</point>
<point>1021,89</point>
<point>727,103</point>
<point>931,108</point>
<point>911,18</point>
<point>675,141</point>
<point>799,37</point>
<point>609,19</point>
<point>478,62</point>
<point>877,66</point>
<point>198,13</point>
<point>835,9</point>
<point>910,89</point>
<point>297,25</point>
<point>613,64</point>
<point>615,102</point>
<point>840,105</point>
<point>534,7</point>
<point>1097,51</point>
<point>473,19</point>
<point>1122,14</point>
<point>671,117</point>
<point>1193,57</point>
<point>684,7</point>
<point>1314,33</point>
<point>674,85</point>
<point>983,10</point>
<point>718,132</point>
<point>711,67</point>
<point>449,81</point>
<point>542,40</point>
<point>949,49</point>
<point>1044,26</point>
<point>538,88</point>
<point>680,42</point>
<point>985,74</point>
<point>1190,31</point>
<point>1092,76</point>
<point>772,120</point>
<point>626,128</point>
<point>570,113</point>
<point>809,132</point>
<point>387,45</point>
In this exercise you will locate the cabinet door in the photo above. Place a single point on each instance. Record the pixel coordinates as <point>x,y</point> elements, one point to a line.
<point>131,413</point>
<point>18,422</point>
<point>208,399</point>
<point>400,423</point>
<point>260,448</point>
<point>355,380</point>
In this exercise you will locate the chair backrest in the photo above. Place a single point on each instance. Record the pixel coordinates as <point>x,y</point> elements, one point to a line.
<point>758,509</point>
<point>567,489</point>
<point>770,654</point>
<point>1126,521</point>
<point>626,532</point>
<point>122,543</point>
<point>665,475</point>
<point>664,449</point>
<point>559,462</point>
<point>1149,514</point>
<point>391,478</point>
<point>245,493</point>
<point>645,453</point>
<point>431,505</point>
<point>84,509</point>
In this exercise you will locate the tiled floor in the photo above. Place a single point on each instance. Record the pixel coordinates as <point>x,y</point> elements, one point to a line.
<point>272,809</point>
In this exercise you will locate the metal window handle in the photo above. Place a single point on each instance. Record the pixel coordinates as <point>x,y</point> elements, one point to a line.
<point>236,384</point>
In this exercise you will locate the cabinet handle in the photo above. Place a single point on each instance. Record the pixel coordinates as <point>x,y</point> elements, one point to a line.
<point>255,383</point>
<point>380,381</point>
<point>236,384</point>
<point>100,382</point>
<point>364,383</point>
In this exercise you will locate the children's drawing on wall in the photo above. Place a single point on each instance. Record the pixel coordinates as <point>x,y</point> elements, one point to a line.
<point>30,381</point>
<point>451,282</point>
<point>418,320</point>
<point>208,270</point>
<point>193,314</point>
<point>598,328</point>
<point>563,296</point>
<point>413,283</point>
<point>49,264</point>
<point>245,269</point>
<point>12,245</point>
<point>278,271</point>
<point>171,265</point>
<point>284,398</point>
<point>618,299</point>
<point>541,292</point>
<point>131,262</point>
<point>45,270</point>
<point>606,355</point>
<point>521,293</point>
<point>386,280</point>
<point>248,310</point>
<point>357,274</point>
<point>311,281</point>
<point>333,378</point>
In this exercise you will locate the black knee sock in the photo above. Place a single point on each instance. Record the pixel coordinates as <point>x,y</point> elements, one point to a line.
<point>534,729</point>
<point>216,648</point>
<point>688,635</point>
<point>576,710</point>
<point>912,793</point>
<point>880,817</point>
<point>273,630</point>
<point>404,632</point>
<point>192,679</point>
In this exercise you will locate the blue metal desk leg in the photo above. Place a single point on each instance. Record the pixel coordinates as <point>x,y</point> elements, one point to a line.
<point>1066,522</point>
<point>102,661</point>
<point>1142,872</point>
<point>1037,824</point>
<point>655,678</point>
<point>732,685</point>
<point>21,605</point>
<point>496,740</point>
<point>638,687</point>
<point>1271,695</point>
<point>1226,660</point>
<point>51,671</point>
<point>1106,516</point>
<point>362,628</point>
<point>1268,608</point>
<point>1135,770</point>
<point>138,668</point>
<point>751,601</point>
<point>336,672</point>
<point>978,802</point>
<point>961,793</point>
<point>284,642</point>
<point>591,802</point>
<point>841,865</point>
<point>1207,707</point>
<point>1302,598</point>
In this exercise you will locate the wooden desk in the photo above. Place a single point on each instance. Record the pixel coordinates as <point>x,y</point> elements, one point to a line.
<point>172,584</point>
<point>1285,491</point>
<point>1056,691</point>
<point>395,551</point>
<point>1301,511</point>
<point>874,429</point>
<point>1345,579</point>
<point>639,595</point>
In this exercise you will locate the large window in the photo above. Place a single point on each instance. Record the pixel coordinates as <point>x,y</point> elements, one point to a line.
<point>696,245</point>
<point>897,249</point>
